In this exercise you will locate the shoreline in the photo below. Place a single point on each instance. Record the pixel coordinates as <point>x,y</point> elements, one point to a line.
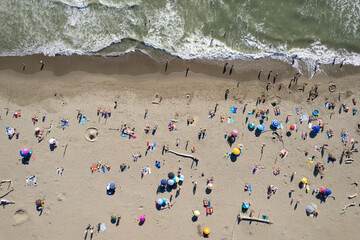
<point>138,63</point>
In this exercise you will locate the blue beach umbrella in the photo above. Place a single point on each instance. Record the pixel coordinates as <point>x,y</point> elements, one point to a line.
<point>260,127</point>
<point>251,126</point>
<point>275,124</point>
<point>328,192</point>
<point>316,129</point>
<point>164,200</point>
<point>164,182</point>
<point>316,112</point>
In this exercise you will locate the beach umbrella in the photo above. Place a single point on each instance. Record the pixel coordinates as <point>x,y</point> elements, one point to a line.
<point>164,200</point>
<point>181,178</point>
<point>171,182</point>
<point>176,179</point>
<point>251,125</point>
<point>316,129</point>
<point>316,112</point>
<point>275,124</point>
<point>328,192</point>
<point>52,140</point>
<point>38,203</point>
<point>142,219</point>
<point>260,127</point>
<point>234,133</point>
<point>196,213</point>
<point>210,186</point>
<point>309,209</point>
<point>37,129</point>
<point>164,182</point>
<point>323,191</point>
<point>103,227</point>
<point>110,186</point>
<point>206,231</point>
<point>171,175</point>
<point>304,180</point>
<point>159,201</point>
<point>24,152</point>
<point>236,151</point>
<point>292,127</point>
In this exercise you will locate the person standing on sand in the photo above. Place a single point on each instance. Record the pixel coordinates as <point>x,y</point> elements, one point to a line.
<point>333,62</point>
<point>227,93</point>
<point>42,65</point>
<point>203,134</point>
<point>275,76</point>
<point>231,69</point>
<point>224,70</point>
<point>115,106</point>
<point>342,63</point>
<point>166,65</point>
<point>269,74</point>
<point>187,70</point>
<point>259,75</point>
<point>23,66</point>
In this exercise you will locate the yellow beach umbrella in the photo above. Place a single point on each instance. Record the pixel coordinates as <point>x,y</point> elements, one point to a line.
<point>304,180</point>
<point>236,151</point>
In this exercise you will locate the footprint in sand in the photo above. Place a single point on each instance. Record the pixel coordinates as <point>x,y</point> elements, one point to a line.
<point>20,217</point>
<point>141,208</point>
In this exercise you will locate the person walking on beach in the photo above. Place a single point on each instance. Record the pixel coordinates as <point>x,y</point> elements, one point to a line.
<point>227,93</point>
<point>115,106</point>
<point>166,65</point>
<point>211,42</point>
<point>231,69</point>
<point>224,70</point>
<point>333,62</point>
<point>42,65</point>
<point>23,66</point>
<point>316,66</point>
<point>269,74</point>
<point>187,71</point>
<point>275,76</point>
<point>203,134</point>
<point>342,63</point>
<point>259,75</point>
<point>293,59</point>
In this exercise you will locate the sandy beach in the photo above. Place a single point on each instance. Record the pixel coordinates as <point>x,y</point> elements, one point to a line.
<point>135,82</point>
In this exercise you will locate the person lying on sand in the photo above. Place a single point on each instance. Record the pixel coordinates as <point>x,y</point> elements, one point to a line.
<point>136,156</point>
<point>5,202</point>
<point>124,166</point>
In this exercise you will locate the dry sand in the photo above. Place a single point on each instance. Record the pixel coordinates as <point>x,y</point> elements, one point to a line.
<point>79,198</point>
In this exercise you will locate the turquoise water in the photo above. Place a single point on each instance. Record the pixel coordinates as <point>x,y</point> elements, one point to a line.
<point>311,29</point>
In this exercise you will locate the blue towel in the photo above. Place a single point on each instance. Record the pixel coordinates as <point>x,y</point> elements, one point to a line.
<point>233,110</point>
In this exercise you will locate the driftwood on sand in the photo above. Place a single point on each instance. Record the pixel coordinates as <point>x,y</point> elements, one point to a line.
<point>241,218</point>
<point>184,155</point>
<point>347,206</point>
<point>352,196</point>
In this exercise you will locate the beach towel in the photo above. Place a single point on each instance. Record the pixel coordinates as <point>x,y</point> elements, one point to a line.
<point>233,110</point>
<point>83,119</point>
<point>310,160</point>
<point>304,117</point>
<point>64,123</point>
<point>297,110</point>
